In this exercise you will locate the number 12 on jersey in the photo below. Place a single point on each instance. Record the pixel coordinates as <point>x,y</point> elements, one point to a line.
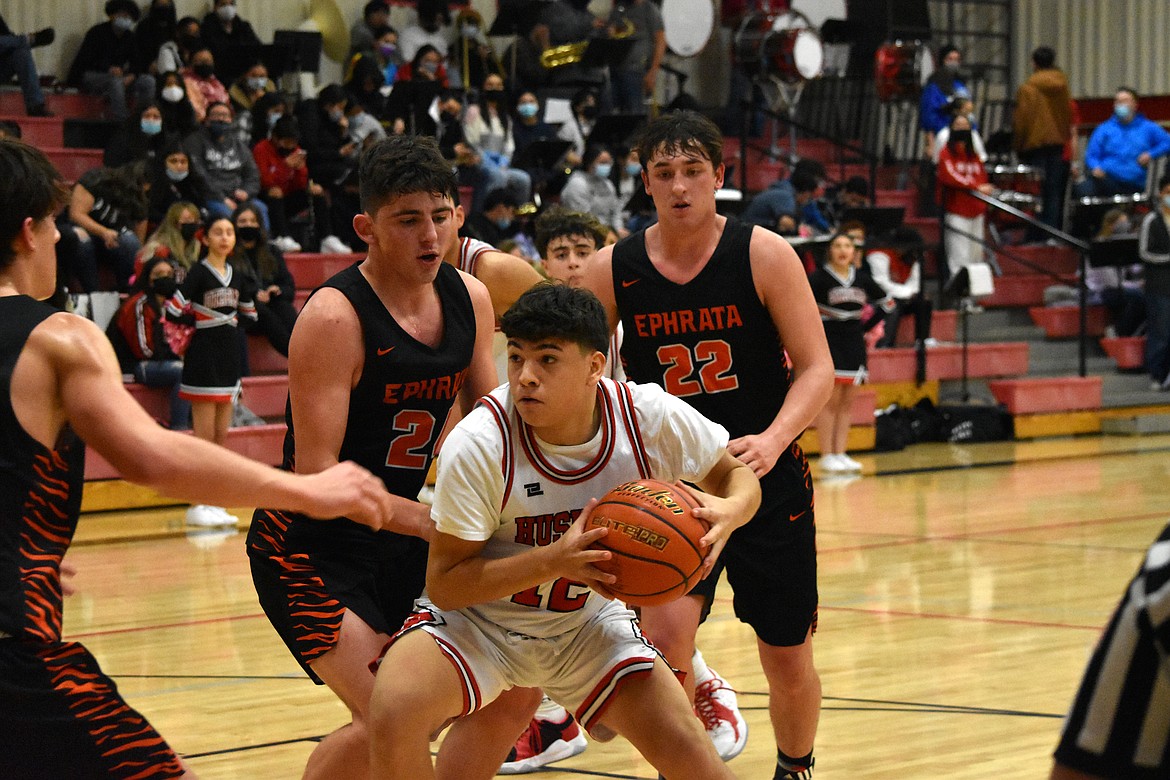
<point>560,595</point>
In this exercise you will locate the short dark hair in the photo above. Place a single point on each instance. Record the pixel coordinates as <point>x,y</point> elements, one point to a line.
<point>400,165</point>
<point>1130,90</point>
<point>592,152</point>
<point>498,197</point>
<point>559,221</point>
<point>1043,57</point>
<point>128,7</point>
<point>287,128</point>
<point>681,132</point>
<point>557,311</point>
<point>802,181</point>
<point>857,185</point>
<point>945,50</point>
<point>853,224</point>
<point>30,187</point>
<point>373,7</point>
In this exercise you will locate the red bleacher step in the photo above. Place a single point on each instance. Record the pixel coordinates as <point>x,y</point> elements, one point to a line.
<point>263,357</point>
<point>264,395</point>
<point>928,227</point>
<point>1034,395</point>
<point>1064,322</point>
<point>1020,290</point>
<point>264,443</point>
<point>39,131</point>
<point>65,105</point>
<point>1129,352</point>
<point>943,326</point>
<point>945,361</point>
<point>1057,259</point>
<point>906,199</point>
<point>864,404</point>
<point>311,270</point>
<point>71,163</point>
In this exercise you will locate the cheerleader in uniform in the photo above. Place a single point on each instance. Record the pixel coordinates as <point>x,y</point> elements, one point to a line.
<point>842,290</point>
<point>212,298</point>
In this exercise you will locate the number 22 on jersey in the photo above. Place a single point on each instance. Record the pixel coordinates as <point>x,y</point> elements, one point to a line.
<point>704,368</point>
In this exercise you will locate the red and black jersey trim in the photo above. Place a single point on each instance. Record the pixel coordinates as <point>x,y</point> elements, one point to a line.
<point>589,470</point>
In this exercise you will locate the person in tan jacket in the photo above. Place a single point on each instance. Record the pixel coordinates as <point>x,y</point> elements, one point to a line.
<point>1042,125</point>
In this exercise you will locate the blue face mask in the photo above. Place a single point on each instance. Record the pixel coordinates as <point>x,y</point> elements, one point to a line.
<point>151,126</point>
<point>502,224</point>
<point>123,23</point>
<point>633,169</point>
<point>176,175</point>
<point>603,170</point>
<point>1122,111</point>
<point>527,110</point>
<point>1165,202</point>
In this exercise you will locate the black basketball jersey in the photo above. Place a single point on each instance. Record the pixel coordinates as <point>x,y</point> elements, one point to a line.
<point>40,496</point>
<point>710,342</point>
<point>400,404</point>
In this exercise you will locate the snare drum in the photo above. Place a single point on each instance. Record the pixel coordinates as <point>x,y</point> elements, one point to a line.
<point>901,68</point>
<point>779,46</point>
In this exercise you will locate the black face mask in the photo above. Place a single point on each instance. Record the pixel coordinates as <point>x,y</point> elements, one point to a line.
<point>589,112</point>
<point>188,230</point>
<point>163,15</point>
<point>189,42</point>
<point>285,152</point>
<point>961,137</point>
<point>164,286</point>
<point>248,235</point>
<point>493,95</point>
<point>203,70</point>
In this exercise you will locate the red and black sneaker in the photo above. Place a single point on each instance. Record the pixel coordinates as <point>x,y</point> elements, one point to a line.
<point>544,742</point>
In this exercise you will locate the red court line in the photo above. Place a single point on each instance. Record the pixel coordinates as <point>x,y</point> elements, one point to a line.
<point>964,618</point>
<point>162,626</point>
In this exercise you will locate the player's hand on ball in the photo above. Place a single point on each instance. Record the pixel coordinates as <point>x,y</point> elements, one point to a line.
<point>575,559</point>
<point>721,515</point>
<point>348,490</point>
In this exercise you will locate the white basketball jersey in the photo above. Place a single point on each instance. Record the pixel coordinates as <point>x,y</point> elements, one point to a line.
<point>499,483</point>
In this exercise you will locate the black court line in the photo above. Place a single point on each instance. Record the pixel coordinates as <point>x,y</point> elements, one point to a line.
<point>926,469</point>
<point>258,746</point>
<point>207,676</point>
<point>894,705</point>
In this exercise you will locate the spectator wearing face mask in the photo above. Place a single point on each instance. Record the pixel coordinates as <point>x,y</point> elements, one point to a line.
<point>175,54</point>
<point>332,158</point>
<point>472,58</point>
<point>1121,149</point>
<point>178,115</point>
<point>431,28</point>
<point>105,64</point>
<point>172,180</point>
<point>487,124</point>
<point>590,190</point>
<point>493,223</point>
<point>140,140</point>
<point>944,85</point>
<point>225,163</point>
<point>176,239</point>
<point>203,87</point>
<point>223,27</point>
<point>252,85</point>
<point>960,169</point>
<point>285,186</point>
<point>266,112</point>
<point>363,34</point>
<point>156,29</point>
<point>584,105</point>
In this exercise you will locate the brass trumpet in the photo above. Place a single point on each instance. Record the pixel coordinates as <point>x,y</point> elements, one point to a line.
<point>571,53</point>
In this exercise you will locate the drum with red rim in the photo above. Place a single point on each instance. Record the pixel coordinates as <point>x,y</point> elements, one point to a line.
<point>900,68</point>
<point>778,46</point>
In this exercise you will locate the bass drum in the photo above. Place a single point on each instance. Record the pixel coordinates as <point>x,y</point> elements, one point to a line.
<point>687,25</point>
<point>782,47</point>
<point>901,68</point>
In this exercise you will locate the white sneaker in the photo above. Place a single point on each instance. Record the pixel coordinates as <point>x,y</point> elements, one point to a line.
<point>831,464</point>
<point>847,463</point>
<point>209,516</point>
<point>286,244</point>
<point>717,706</point>
<point>332,245</point>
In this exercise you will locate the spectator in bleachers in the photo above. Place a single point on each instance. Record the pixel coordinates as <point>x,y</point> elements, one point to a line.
<point>780,197</point>
<point>363,36</point>
<point>155,30</point>
<point>570,21</point>
<point>176,239</point>
<point>807,190</point>
<point>1118,289</point>
<point>139,340</point>
<point>263,263</point>
<point>225,163</point>
<point>472,58</point>
<point>902,282</point>
<point>430,28</point>
<point>108,211</point>
<point>175,54</point>
<point>245,92</point>
<point>223,27</point>
<point>366,78</point>
<point>266,112</point>
<point>140,140</point>
<point>1121,149</point>
<point>418,83</point>
<point>494,223</point>
<point>16,60</point>
<point>590,190</point>
<point>635,77</point>
<point>286,188</point>
<point>1154,249</point>
<point>584,106</point>
<point>627,180</point>
<point>487,125</point>
<point>105,64</point>
<point>1041,126</point>
<point>332,159</point>
<point>178,115</point>
<point>172,179</point>
<point>449,130</point>
<point>943,86</point>
<point>959,169</point>
<point>961,106</point>
<point>203,86</point>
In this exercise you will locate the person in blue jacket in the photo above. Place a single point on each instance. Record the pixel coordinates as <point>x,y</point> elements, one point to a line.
<point>934,108</point>
<point>1118,156</point>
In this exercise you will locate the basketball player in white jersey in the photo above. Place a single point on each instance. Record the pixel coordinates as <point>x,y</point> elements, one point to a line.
<point>514,600</point>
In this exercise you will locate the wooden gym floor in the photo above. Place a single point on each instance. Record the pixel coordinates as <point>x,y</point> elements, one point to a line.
<point>962,588</point>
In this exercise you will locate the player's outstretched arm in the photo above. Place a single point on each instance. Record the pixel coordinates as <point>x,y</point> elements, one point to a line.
<point>72,361</point>
<point>783,287</point>
<point>731,499</point>
<point>326,358</point>
<point>458,576</point>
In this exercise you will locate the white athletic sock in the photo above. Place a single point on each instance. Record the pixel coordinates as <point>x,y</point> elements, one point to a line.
<point>550,710</point>
<point>702,673</point>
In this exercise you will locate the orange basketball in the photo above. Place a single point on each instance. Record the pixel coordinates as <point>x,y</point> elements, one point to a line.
<point>654,538</point>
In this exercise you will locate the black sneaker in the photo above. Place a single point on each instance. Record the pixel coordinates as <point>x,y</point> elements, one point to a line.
<point>544,742</point>
<point>39,111</point>
<point>42,37</point>
<point>804,773</point>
